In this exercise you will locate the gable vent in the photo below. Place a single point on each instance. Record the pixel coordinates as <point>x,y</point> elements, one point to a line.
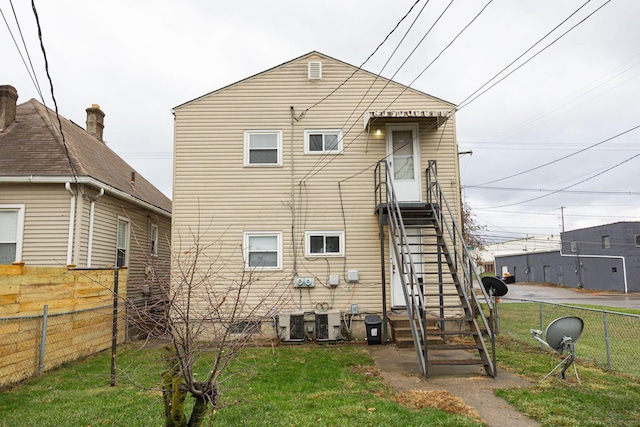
<point>315,70</point>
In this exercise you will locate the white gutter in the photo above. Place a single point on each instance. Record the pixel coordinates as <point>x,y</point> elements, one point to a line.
<point>72,217</point>
<point>88,181</point>
<point>91,215</point>
<point>624,264</point>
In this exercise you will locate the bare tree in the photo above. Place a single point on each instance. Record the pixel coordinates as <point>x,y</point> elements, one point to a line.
<point>472,231</point>
<point>211,309</point>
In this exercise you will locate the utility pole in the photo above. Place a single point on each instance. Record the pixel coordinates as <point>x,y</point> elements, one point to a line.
<point>562,215</point>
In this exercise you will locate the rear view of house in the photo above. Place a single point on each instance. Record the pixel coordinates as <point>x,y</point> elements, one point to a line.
<point>288,175</point>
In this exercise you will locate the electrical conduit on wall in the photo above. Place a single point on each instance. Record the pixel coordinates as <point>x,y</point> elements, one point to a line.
<point>624,263</point>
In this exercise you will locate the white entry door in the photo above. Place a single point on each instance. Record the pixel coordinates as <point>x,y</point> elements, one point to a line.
<point>397,295</point>
<point>404,161</point>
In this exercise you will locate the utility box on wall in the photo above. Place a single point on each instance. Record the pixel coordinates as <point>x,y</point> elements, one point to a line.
<point>291,326</point>
<point>328,326</point>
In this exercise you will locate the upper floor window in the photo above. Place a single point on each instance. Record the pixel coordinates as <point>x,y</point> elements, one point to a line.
<point>574,246</point>
<point>11,226</point>
<point>263,148</point>
<point>322,141</point>
<point>324,243</point>
<point>153,239</point>
<point>122,243</point>
<point>606,242</point>
<point>637,240</point>
<point>263,249</point>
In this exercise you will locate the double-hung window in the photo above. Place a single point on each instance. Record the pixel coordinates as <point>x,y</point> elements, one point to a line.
<point>324,243</point>
<point>153,238</point>
<point>122,243</point>
<point>11,226</point>
<point>322,141</point>
<point>263,148</point>
<point>263,250</point>
<point>606,242</point>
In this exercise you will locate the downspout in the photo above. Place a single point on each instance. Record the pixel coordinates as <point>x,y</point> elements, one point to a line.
<point>624,264</point>
<point>91,215</point>
<point>72,217</point>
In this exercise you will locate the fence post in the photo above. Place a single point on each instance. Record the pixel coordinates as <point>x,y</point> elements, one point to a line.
<point>114,336</point>
<point>43,339</point>
<point>541,321</point>
<point>607,340</point>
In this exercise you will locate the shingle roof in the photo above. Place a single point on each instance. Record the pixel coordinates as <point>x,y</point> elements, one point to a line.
<point>32,146</point>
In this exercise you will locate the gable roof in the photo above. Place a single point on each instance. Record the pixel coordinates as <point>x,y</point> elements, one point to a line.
<point>315,54</point>
<point>31,146</point>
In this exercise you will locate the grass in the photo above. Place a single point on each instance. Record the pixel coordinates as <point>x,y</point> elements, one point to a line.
<point>602,400</point>
<point>516,319</point>
<point>282,386</point>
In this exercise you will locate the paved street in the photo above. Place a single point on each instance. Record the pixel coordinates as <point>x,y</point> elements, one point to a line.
<point>520,291</point>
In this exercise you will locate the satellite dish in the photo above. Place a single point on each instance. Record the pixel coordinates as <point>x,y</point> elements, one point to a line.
<point>561,335</point>
<point>494,286</point>
<point>562,328</point>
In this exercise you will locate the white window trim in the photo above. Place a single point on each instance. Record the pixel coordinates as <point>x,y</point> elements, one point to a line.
<point>19,227</point>
<point>248,234</point>
<point>248,133</point>
<point>128,240</point>
<point>154,251</point>
<point>324,233</point>
<point>308,132</point>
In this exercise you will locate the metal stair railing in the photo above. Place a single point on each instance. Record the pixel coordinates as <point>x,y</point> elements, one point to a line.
<point>411,289</point>
<point>462,256</point>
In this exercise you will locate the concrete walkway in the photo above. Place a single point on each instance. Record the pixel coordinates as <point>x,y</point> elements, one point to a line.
<point>399,368</point>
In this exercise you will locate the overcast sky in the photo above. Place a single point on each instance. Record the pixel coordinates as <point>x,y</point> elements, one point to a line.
<point>139,59</point>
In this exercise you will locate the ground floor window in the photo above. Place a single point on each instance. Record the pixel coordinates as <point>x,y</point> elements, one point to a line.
<point>11,227</point>
<point>324,243</point>
<point>263,249</point>
<point>122,243</point>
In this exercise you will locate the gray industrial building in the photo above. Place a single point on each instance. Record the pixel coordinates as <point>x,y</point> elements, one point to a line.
<point>604,257</point>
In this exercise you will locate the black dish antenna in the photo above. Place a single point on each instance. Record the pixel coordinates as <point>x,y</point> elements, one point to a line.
<point>495,287</point>
<point>561,336</point>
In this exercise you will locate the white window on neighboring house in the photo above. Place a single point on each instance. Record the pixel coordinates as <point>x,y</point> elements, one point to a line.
<point>322,141</point>
<point>122,243</point>
<point>637,238</point>
<point>11,228</point>
<point>263,148</point>
<point>263,250</point>
<point>153,238</point>
<point>324,243</point>
<point>606,242</point>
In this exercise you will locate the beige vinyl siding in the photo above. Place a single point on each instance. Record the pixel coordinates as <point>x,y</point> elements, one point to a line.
<point>46,222</point>
<point>213,190</point>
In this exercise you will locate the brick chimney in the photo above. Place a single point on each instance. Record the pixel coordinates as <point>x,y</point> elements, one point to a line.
<point>8,98</point>
<point>95,121</point>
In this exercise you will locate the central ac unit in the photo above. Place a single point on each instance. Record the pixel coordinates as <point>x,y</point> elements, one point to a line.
<point>291,325</point>
<point>328,327</point>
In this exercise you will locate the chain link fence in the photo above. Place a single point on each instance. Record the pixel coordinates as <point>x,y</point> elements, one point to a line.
<point>30,345</point>
<point>609,340</point>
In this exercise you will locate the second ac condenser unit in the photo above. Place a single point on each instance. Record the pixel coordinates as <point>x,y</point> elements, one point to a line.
<point>291,325</point>
<point>328,327</point>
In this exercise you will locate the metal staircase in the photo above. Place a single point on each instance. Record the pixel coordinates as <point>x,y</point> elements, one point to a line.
<point>437,274</point>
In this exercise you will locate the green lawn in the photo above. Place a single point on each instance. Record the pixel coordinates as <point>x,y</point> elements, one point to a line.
<point>281,386</point>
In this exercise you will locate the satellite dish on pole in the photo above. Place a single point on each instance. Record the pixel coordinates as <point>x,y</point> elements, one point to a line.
<point>561,336</point>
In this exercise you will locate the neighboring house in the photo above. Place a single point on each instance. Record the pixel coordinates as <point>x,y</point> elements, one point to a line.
<point>604,257</point>
<point>69,200</point>
<point>278,168</point>
<point>527,244</point>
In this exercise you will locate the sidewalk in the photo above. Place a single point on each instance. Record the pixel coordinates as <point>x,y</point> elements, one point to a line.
<point>399,368</point>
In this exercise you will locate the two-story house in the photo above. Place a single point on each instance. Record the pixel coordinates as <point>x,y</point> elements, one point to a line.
<point>287,174</point>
